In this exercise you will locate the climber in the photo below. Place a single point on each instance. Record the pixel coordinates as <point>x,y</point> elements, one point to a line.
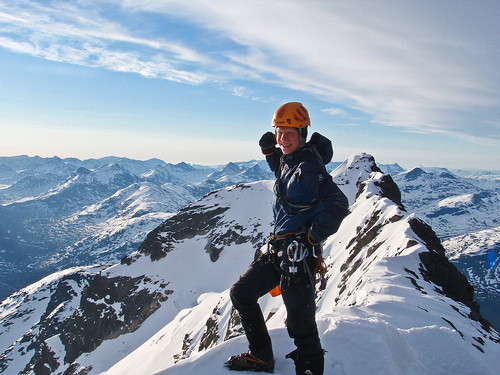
<point>308,207</point>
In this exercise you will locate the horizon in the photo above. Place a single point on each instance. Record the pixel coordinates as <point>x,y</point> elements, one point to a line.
<point>415,83</point>
<point>216,165</point>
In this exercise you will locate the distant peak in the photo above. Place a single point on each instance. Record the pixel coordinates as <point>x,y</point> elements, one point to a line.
<point>184,166</point>
<point>415,173</point>
<point>231,167</point>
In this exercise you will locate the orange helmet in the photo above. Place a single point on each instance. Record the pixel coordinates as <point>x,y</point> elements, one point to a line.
<point>292,114</point>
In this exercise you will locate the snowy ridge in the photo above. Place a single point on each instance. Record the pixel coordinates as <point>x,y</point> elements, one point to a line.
<point>393,303</point>
<point>352,172</point>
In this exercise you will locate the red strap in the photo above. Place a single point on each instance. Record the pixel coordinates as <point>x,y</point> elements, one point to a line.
<point>253,359</point>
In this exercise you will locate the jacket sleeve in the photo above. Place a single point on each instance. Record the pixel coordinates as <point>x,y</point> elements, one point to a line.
<point>333,208</point>
<point>273,161</point>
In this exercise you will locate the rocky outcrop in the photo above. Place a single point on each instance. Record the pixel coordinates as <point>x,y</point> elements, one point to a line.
<point>189,222</point>
<point>198,220</point>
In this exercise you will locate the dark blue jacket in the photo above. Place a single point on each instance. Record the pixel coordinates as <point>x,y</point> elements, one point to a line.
<point>306,195</point>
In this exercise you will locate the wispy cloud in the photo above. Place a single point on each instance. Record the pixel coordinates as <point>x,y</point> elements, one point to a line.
<point>427,67</point>
<point>77,35</point>
<point>423,66</point>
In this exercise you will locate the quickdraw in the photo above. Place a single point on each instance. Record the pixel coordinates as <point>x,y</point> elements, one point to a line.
<point>296,252</point>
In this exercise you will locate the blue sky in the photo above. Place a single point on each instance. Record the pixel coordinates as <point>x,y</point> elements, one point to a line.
<point>412,82</point>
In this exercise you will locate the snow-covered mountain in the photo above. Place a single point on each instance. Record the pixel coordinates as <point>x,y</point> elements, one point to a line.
<point>59,213</point>
<point>452,205</point>
<point>393,303</point>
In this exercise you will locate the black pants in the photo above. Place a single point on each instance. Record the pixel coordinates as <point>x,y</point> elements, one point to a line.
<point>298,295</point>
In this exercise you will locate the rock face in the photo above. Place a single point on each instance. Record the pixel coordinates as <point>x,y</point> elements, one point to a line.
<point>386,272</point>
<point>463,211</point>
<point>196,220</point>
<point>440,271</point>
<point>188,223</point>
<point>82,309</point>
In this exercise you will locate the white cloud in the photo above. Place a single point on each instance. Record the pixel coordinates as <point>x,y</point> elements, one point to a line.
<point>335,111</point>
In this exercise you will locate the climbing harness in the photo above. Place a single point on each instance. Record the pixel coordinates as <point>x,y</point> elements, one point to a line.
<point>296,252</point>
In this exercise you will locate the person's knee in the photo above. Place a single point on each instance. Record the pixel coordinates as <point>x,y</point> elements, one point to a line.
<point>239,297</point>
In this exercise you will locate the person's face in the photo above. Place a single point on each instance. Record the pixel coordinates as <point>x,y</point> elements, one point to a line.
<point>287,138</point>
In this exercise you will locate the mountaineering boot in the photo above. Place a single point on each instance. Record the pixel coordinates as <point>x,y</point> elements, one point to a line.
<point>249,362</point>
<point>313,366</point>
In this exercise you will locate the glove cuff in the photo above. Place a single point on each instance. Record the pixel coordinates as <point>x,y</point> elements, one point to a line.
<point>268,151</point>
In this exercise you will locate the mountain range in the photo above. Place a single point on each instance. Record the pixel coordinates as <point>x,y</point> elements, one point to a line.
<point>394,303</point>
<point>59,213</point>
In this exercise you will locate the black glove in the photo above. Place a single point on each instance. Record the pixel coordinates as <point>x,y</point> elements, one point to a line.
<point>267,143</point>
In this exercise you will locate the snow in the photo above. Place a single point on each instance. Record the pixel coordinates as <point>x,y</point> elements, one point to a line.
<point>477,256</point>
<point>472,243</point>
<point>466,199</point>
<point>55,345</point>
<point>452,206</point>
<point>36,298</point>
<point>355,345</point>
<point>354,170</point>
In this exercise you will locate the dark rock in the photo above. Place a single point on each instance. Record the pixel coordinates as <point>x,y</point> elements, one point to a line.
<point>390,190</point>
<point>436,268</point>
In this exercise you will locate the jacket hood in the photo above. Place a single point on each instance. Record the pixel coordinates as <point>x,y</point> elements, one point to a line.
<point>323,145</point>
